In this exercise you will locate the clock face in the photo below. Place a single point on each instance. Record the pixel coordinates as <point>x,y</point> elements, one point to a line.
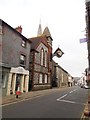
<point>59,53</point>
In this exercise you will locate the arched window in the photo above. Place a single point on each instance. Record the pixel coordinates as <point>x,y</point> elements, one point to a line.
<point>42,56</point>
<point>45,59</point>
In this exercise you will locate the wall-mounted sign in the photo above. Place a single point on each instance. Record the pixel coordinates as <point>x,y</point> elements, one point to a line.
<point>58,53</point>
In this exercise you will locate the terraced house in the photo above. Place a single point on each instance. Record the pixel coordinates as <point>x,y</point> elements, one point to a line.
<point>14,61</point>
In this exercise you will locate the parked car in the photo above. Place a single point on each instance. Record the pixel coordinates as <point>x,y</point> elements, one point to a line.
<point>86,87</point>
<point>82,85</point>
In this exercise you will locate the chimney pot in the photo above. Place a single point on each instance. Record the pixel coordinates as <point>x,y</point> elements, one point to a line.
<point>19,29</point>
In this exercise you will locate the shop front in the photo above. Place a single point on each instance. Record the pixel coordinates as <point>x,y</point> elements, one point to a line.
<point>18,77</point>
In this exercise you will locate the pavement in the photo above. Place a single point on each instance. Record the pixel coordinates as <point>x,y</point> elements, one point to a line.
<point>29,95</point>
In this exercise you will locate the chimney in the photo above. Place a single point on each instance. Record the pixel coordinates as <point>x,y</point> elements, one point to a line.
<point>19,29</point>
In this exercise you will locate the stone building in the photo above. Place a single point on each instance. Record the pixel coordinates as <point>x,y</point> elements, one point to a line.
<point>60,76</point>
<point>14,59</point>
<point>41,60</point>
<point>70,80</point>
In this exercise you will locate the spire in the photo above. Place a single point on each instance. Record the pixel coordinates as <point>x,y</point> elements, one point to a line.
<point>39,29</point>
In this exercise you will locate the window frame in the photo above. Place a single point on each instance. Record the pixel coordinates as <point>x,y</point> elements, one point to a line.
<point>23,43</point>
<point>45,58</point>
<point>23,65</point>
<point>45,79</point>
<point>42,56</point>
<point>40,80</point>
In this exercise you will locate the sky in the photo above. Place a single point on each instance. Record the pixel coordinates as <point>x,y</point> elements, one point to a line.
<point>65,20</point>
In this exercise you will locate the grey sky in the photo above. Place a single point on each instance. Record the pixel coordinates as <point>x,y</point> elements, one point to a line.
<point>65,19</point>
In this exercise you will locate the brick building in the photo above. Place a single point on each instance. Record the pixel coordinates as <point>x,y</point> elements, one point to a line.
<point>41,60</point>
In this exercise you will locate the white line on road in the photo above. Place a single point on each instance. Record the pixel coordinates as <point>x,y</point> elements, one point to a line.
<point>68,101</point>
<point>72,91</point>
<point>62,97</point>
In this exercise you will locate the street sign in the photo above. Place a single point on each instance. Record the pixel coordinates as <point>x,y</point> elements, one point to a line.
<point>83,40</point>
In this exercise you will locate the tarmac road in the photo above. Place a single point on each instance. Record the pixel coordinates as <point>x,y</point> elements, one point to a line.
<point>67,103</point>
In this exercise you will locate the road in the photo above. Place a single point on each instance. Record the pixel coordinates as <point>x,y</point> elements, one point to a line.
<point>68,103</point>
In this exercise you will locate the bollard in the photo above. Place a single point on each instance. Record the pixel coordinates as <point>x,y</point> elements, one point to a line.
<point>18,92</point>
<point>87,113</point>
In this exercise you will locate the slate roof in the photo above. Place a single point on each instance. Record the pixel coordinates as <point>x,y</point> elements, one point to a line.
<point>47,32</point>
<point>37,40</point>
<point>3,22</point>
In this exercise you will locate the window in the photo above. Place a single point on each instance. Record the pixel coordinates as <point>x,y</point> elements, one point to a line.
<point>40,78</point>
<point>45,58</point>
<point>22,60</point>
<point>0,31</point>
<point>4,79</point>
<point>62,77</point>
<point>46,79</point>
<point>23,43</point>
<point>42,56</point>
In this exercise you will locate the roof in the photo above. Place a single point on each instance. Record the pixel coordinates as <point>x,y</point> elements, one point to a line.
<point>37,40</point>
<point>14,30</point>
<point>47,32</point>
<point>63,69</point>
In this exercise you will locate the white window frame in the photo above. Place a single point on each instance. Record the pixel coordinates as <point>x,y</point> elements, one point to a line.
<point>22,59</point>
<point>40,78</point>
<point>46,78</point>
<point>23,43</point>
<point>42,56</point>
<point>45,58</point>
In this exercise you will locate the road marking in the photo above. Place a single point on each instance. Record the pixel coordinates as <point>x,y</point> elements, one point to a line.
<point>72,91</point>
<point>73,102</point>
<point>68,101</point>
<point>66,94</point>
<point>62,97</point>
